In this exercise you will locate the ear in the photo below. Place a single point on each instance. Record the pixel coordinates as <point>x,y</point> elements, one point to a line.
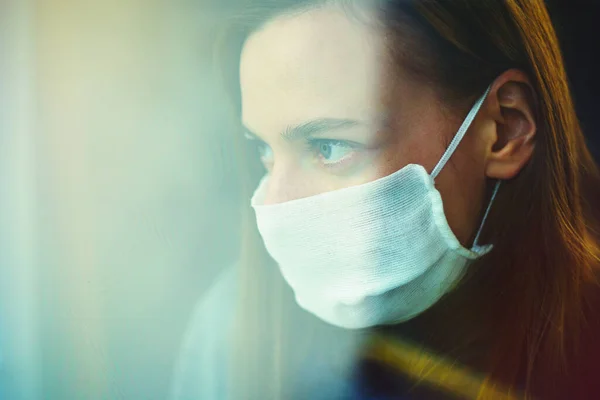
<point>514,105</point>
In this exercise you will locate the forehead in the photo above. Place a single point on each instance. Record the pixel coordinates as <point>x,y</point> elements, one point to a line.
<point>319,63</point>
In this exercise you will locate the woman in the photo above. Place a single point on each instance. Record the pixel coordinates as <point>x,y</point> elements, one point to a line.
<point>429,202</point>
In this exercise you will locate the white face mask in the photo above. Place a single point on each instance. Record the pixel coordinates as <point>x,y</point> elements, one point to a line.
<point>377,253</point>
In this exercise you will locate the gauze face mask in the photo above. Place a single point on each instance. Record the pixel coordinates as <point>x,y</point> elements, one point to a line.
<point>377,253</point>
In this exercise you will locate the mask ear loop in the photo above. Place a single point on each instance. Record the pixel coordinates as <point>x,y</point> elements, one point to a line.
<point>452,148</point>
<point>459,135</point>
<point>487,211</point>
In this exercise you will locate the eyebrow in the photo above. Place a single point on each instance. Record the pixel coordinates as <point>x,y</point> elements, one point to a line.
<point>311,128</point>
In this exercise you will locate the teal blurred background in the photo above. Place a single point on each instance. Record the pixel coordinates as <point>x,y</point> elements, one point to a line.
<point>118,206</point>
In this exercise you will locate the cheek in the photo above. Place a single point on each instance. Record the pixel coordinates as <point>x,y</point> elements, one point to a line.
<point>296,183</point>
<point>461,184</point>
<point>409,146</point>
<point>322,182</point>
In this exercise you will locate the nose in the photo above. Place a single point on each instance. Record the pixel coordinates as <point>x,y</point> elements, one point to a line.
<point>283,187</point>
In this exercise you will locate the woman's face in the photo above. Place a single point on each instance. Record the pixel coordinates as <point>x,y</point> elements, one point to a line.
<point>327,110</point>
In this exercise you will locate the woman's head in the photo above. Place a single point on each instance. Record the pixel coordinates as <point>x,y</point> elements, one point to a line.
<point>333,105</point>
<point>339,93</point>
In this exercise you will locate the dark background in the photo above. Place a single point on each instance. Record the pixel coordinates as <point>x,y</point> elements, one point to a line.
<point>578,25</point>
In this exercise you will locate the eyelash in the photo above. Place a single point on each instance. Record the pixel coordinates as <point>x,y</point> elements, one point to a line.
<point>312,145</point>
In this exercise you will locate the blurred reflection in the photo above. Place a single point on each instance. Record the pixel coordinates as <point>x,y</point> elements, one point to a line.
<point>112,185</point>
<point>19,329</point>
<point>135,214</point>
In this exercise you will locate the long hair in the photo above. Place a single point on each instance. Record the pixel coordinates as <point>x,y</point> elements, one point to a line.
<point>524,302</point>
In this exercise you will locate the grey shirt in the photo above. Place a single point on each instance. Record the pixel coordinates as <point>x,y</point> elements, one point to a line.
<point>202,368</point>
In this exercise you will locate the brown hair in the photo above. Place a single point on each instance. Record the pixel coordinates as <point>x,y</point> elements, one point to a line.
<point>526,298</point>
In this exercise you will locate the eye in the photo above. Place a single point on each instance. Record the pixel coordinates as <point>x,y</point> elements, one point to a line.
<point>265,153</point>
<point>331,152</point>
<point>264,150</point>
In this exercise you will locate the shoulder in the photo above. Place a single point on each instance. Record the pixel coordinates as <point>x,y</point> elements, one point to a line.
<point>201,367</point>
